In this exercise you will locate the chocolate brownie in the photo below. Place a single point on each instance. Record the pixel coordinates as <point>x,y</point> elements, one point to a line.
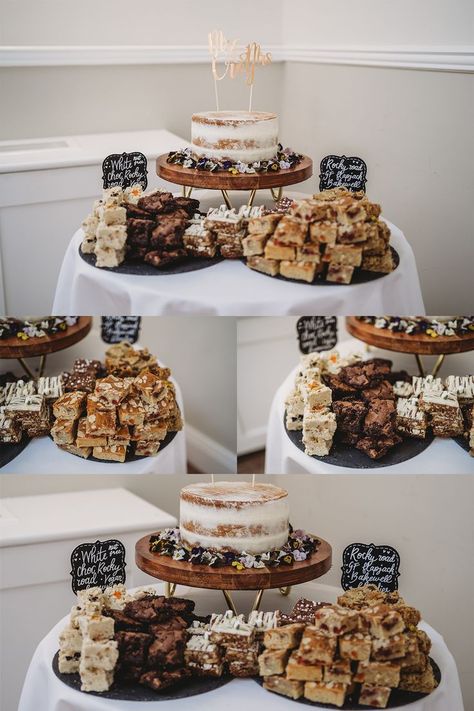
<point>380,418</point>
<point>398,375</point>
<point>230,251</point>
<point>148,609</point>
<point>181,606</point>
<point>340,389</point>
<point>167,649</point>
<point>157,203</point>
<point>133,647</point>
<point>124,623</point>
<point>159,680</point>
<point>189,205</point>
<point>128,673</point>
<point>85,365</point>
<point>350,415</point>
<point>168,228</point>
<point>382,390</point>
<point>139,232</point>
<point>139,213</point>
<point>376,447</point>
<point>79,381</point>
<point>137,254</point>
<point>161,259</point>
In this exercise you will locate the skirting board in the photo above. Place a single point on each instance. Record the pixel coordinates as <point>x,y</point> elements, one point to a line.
<point>207,455</point>
<point>421,57</point>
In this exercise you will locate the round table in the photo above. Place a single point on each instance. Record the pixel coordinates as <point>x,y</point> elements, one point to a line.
<point>442,456</point>
<point>42,456</point>
<point>41,683</point>
<point>230,288</point>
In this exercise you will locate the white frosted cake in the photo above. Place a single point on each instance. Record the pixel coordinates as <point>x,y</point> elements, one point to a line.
<point>234,516</point>
<point>246,136</point>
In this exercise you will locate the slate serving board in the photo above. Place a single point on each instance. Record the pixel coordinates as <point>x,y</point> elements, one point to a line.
<point>8,451</point>
<point>135,692</point>
<point>144,269</point>
<point>342,455</point>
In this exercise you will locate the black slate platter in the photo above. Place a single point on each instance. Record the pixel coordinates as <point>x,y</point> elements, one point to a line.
<point>397,699</point>
<point>144,269</point>
<point>360,276</point>
<point>342,455</point>
<point>135,692</point>
<point>463,442</point>
<point>131,456</point>
<point>8,452</point>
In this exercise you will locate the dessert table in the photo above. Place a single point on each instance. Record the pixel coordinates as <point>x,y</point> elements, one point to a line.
<point>41,683</point>
<point>442,456</point>
<point>230,288</point>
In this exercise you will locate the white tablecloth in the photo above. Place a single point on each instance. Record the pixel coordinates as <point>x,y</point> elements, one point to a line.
<point>42,684</point>
<point>230,288</point>
<point>42,456</point>
<point>442,456</point>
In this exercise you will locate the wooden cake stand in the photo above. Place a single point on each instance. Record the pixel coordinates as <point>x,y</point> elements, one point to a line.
<point>191,178</point>
<point>418,344</point>
<point>16,348</point>
<point>227,578</point>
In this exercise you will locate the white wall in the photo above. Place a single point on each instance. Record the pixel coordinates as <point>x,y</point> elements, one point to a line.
<point>201,353</point>
<point>427,519</point>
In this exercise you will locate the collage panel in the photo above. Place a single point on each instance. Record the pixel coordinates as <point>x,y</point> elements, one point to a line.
<point>332,395</point>
<point>117,394</point>
<point>170,624</point>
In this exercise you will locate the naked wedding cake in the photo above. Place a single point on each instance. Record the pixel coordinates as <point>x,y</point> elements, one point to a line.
<point>246,136</point>
<point>234,516</point>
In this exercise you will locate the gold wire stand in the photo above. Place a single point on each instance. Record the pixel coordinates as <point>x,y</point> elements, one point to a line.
<point>276,193</point>
<point>436,367</point>
<point>29,372</point>
<point>170,589</point>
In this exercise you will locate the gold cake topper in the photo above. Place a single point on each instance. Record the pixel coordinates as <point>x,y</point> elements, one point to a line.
<point>236,62</point>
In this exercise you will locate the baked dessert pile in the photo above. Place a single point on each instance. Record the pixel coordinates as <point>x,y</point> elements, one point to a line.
<point>228,644</point>
<point>363,647</point>
<point>226,229</point>
<point>127,405</point>
<point>332,234</point>
<point>444,407</point>
<point>130,637</point>
<point>127,224</point>
<point>120,415</point>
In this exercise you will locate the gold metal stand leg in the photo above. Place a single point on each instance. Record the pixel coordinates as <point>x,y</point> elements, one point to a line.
<point>187,191</point>
<point>42,365</point>
<point>285,591</point>
<point>170,589</point>
<point>420,365</point>
<point>27,368</point>
<point>227,201</point>
<point>257,602</point>
<point>277,193</point>
<point>251,198</point>
<point>229,601</point>
<point>438,364</point>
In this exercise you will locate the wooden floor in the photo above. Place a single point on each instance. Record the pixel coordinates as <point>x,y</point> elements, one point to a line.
<point>253,463</point>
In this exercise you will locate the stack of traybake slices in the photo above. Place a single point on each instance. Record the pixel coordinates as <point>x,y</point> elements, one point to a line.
<point>364,404</point>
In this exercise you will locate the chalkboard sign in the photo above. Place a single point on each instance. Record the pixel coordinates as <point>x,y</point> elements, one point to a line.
<point>367,563</point>
<point>340,171</point>
<point>125,169</point>
<point>316,333</point>
<point>98,564</point>
<point>116,329</point>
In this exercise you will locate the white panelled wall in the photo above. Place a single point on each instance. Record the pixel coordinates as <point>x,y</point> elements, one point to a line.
<point>267,350</point>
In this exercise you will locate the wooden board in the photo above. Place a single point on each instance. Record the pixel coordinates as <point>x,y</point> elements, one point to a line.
<point>404,343</point>
<point>228,578</point>
<point>221,180</point>
<point>16,348</point>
